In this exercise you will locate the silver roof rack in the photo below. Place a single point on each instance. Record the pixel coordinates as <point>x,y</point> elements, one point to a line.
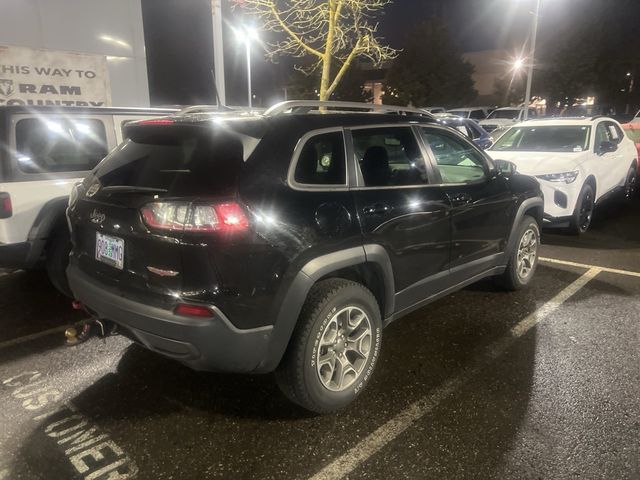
<point>202,109</point>
<point>305,106</point>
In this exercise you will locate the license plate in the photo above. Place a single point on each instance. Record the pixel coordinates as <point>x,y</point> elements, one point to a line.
<point>110,250</point>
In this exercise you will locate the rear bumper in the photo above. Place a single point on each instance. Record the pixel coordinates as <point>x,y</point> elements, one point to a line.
<point>203,344</point>
<point>15,255</point>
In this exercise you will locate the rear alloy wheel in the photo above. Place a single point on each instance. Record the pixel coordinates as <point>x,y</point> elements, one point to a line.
<point>630,184</point>
<point>334,349</point>
<point>583,214</point>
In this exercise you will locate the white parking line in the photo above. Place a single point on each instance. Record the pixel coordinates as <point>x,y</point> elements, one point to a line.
<point>33,336</point>
<point>375,441</point>
<point>587,266</point>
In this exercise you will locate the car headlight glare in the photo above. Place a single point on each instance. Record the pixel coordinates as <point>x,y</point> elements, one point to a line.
<point>566,177</point>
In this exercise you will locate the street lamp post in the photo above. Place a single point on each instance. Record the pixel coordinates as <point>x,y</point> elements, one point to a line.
<point>532,56</point>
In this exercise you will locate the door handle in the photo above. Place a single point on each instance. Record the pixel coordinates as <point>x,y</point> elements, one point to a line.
<point>460,199</point>
<point>377,209</point>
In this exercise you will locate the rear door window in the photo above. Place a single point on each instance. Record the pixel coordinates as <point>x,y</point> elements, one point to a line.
<point>389,157</point>
<point>56,144</point>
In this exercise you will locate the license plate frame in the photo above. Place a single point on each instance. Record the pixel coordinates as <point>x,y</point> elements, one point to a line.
<point>110,250</point>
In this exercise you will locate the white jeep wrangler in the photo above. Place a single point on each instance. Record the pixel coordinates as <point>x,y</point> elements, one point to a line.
<point>44,151</point>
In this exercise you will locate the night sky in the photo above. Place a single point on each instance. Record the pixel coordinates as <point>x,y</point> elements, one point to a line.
<point>475,25</point>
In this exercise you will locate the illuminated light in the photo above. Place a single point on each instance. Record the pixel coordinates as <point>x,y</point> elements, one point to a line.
<point>114,41</point>
<point>55,127</point>
<point>116,58</point>
<point>83,128</point>
<point>155,121</point>
<point>246,34</point>
<point>518,64</point>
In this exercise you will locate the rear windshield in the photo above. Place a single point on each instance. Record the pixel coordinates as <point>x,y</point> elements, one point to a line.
<point>505,114</point>
<point>59,144</point>
<point>178,161</point>
<point>545,139</point>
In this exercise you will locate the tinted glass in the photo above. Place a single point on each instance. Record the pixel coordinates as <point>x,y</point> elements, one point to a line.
<point>545,139</point>
<point>389,157</point>
<point>457,161</point>
<point>505,114</point>
<point>59,145</point>
<point>477,115</point>
<point>322,161</point>
<point>615,133</point>
<point>184,162</point>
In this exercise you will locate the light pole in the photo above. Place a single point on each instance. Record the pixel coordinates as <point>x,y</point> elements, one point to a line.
<point>532,57</point>
<point>247,35</point>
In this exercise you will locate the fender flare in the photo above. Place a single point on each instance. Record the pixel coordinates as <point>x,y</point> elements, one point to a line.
<point>534,202</point>
<point>297,292</point>
<point>47,219</point>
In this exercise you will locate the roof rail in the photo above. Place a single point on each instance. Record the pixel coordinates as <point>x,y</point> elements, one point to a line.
<point>203,109</point>
<point>304,106</point>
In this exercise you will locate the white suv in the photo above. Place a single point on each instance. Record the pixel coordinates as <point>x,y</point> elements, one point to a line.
<point>506,117</point>
<point>44,151</point>
<point>578,162</point>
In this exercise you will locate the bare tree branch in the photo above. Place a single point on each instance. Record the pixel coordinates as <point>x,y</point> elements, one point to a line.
<point>329,31</point>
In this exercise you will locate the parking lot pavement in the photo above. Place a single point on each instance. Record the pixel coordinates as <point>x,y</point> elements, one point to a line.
<point>541,383</point>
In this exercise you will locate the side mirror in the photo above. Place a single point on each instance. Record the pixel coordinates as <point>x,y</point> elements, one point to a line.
<point>508,169</point>
<point>607,147</point>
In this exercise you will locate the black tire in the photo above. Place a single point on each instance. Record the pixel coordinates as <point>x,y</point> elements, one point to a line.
<point>583,213</point>
<point>513,277</point>
<point>631,184</point>
<point>298,375</point>
<point>57,259</point>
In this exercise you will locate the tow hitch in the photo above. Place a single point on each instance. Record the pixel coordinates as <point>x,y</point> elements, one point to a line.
<point>88,328</point>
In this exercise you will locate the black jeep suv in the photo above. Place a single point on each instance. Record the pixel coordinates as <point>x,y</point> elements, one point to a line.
<point>286,241</point>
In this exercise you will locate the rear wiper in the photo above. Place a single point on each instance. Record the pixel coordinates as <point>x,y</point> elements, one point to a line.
<point>132,189</point>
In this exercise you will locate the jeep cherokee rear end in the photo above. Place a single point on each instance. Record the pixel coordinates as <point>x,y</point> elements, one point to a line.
<point>237,244</point>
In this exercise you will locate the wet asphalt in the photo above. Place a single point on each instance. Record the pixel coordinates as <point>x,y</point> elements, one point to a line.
<point>561,400</point>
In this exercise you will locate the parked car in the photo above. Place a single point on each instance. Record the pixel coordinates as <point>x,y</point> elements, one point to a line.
<point>45,151</point>
<point>505,117</point>
<point>287,241</point>
<point>474,113</point>
<point>469,128</point>
<point>632,131</point>
<point>578,162</point>
<point>435,109</point>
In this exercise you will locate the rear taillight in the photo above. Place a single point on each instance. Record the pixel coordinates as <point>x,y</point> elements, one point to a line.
<point>193,311</point>
<point>6,208</point>
<point>155,121</point>
<point>187,217</point>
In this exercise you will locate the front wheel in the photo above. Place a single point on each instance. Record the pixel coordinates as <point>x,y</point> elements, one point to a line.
<point>630,184</point>
<point>334,348</point>
<point>583,213</point>
<point>523,260</point>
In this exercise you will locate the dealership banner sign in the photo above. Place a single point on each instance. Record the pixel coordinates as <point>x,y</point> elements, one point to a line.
<point>30,76</point>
